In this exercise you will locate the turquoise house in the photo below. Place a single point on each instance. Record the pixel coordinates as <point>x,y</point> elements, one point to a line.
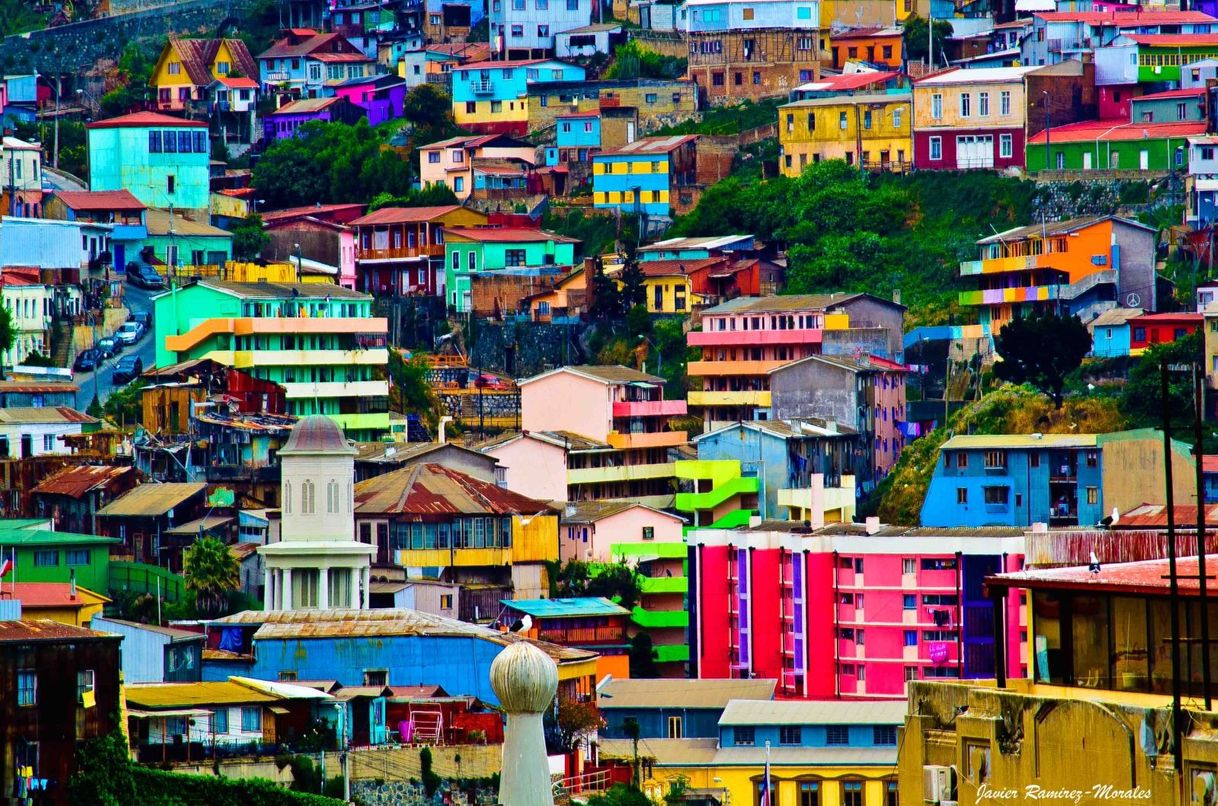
<point>161,159</point>
<point>518,251</point>
<point>1110,332</point>
<point>178,241</point>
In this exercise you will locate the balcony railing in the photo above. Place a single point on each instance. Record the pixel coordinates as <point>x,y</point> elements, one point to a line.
<point>615,634</point>
<point>400,252</point>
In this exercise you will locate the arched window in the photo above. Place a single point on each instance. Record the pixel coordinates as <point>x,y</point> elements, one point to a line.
<point>891,793</point>
<point>809,792</point>
<point>332,497</point>
<point>287,497</point>
<point>308,498</point>
<point>853,792</point>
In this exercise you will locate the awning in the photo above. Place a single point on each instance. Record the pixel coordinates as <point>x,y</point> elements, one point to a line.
<point>642,385</point>
<point>175,712</point>
<point>1205,184</point>
<point>275,709</point>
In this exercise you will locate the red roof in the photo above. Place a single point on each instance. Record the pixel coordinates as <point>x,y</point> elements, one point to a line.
<point>1180,318</point>
<point>198,56</point>
<point>1087,131</point>
<point>305,212</point>
<point>44,594</point>
<point>28,630</point>
<point>1148,577</point>
<point>238,83</point>
<point>852,81</point>
<point>1154,516</point>
<point>75,481</point>
<point>492,235</point>
<point>432,489</point>
<point>1162,96</point>
<point>146,119</point>
<point>664,268</point>
<point>1126,19</point>
<point>500,65</point>
<point>1174,40</point>
<point>404,215</point>
<point>100,200</point>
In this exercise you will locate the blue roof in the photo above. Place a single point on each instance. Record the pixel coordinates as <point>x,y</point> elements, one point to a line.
<point>559,608</point>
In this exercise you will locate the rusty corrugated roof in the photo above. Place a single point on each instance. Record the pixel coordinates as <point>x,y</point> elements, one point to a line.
<point>149,500</point>
<point>432,489</point>
<point>28,630</point>
<point>76,481</point>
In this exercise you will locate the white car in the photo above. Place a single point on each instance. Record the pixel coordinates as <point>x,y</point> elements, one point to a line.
<point>129,333</point>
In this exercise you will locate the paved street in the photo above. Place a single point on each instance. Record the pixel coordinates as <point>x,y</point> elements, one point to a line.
<point>102,382</point>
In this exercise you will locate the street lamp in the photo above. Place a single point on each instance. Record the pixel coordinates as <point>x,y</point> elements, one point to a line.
<point>659,355</point>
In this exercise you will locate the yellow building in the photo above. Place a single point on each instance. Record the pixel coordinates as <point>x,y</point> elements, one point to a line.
<point>869,13</point>
<point>187,67</point>
<point>62,602</point>
<point>669,289</point>
<point>1096,716</point>
<point>821,752</point>
<point>877,126</point>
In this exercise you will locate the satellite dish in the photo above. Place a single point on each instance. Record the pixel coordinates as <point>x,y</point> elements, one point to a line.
<point>1133,300</point>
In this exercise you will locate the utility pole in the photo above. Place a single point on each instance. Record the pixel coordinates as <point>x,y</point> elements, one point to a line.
<point>1173,580</point>
<point>1202,565</point>
<point>55,156</point>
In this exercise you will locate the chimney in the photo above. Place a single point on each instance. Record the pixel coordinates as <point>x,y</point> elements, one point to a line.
<point>441,438</point>
<point>872,525</point>
<point>72,582</point>
<point>896,296</point>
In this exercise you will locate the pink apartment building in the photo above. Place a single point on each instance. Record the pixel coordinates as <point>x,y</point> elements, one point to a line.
<point>850,610</point>
<point>588,530</point>
<point>593,433</point>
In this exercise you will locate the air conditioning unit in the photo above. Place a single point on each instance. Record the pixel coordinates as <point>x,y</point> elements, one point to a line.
<point>938,785</point>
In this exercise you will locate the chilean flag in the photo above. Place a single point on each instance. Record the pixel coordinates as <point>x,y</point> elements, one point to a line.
<point>5,567</point>
<point>765,783</point>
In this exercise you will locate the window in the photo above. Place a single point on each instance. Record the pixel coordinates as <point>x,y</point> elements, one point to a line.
<point>675,728</point>
<point>1092,458</point>
<point>995,460</point>
<point>842,121</point>
<point>911,637</point>
<point>884,734</point>
<point>1093,495</point>
<point>496,107</point>
<point>983,104</point>
<point>471,261</point>
<point>458,184</point>
<point>911,673</point>
<point>744,737</point>
<point>962,496</point>
<point>837,734</point>
<point>910,600</point>
<point>897,115</point>
<point>936,148</point>
<point>154,142</point>
<point>287,676</point>
<point>543,31</point>
<point>470,108</point>
<point>649,532</point>
<point>790,734</point>
<point>46,558</point>
<point>860,637</point>
<point>966,102</point>
<point>747,13</point>
<point>1005,148</point>
<point>908,566</point>
<point>936,106</point>
<point>170,183</point>
<point>852,793</point>
<point>27,687</point>
<point>456,261</point>
<point>251,719</point>
<point>308,497</point>
<point>376,677</point>
<point>809,793</point>
<point>867,119</point>
<point>1004,102</point>
<point>514,257</point>
<point>518,30</point>
<point>1181,111</point>
<point>175,68</point>
<point>84,683</point>
<point>446,601</point>
<point>649,98</point>
<point>77,556</point>
<point>892,796</point>
<point>998,496</point>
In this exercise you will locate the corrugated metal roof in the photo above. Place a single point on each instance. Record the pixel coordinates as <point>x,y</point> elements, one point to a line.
<point>566,608</point>
<point>199,525</point>
<point>149,500</point>
<point>158,224</point>
<point>1114,317</point>
<point>814,712</point>
<point>508,235</point>
<point>967,441</point>
<point>786,302</point>
<point>29,630</point>
<point>673,693</point>
<point>47,537</point>
<point>77,480</point>
<point>159,696</point>
<point>611,374</point>
<point>39,415</point>
<point>403,215</point>
<point>51,594</point>
<point>649,145</point>
<point>142,120</point>
<point>100,200</point>
<point>432,489</point>
<point>593,511</point>
<point>1146,578</point>
<point>317,433</point>
<point>283,290</point>
<point>170,632</point>
<point>305,624</point>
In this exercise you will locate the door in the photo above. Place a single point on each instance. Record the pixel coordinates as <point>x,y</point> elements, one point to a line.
<point>27,446</point>
<point>1144,160</point>
<point>630,132</point>
<point>1086,161</point>
<point>120,256</point>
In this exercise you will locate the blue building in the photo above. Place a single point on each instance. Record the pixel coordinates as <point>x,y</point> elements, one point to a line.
<point>697,248</point>
<point>860,726</point>
<point>673,708</point>
<point>375,647</point>
<point>1110,332</point>
<point>577,134</point>
<point>698,16</point>
<point>646,177</point>
<point>153,654</point>
<point>1016,480</point>
<point>785,457</point>
<point>492,97</point>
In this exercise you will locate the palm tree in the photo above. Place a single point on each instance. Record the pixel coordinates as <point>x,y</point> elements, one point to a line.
<point>211,572</point>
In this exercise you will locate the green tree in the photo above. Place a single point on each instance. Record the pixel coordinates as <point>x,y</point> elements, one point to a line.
<point>576,720</point>
<point>1142,397</point>
<point>620,795</point>
<point>330,162</point>
<point>632,61</point>
<point>103,773</point>
<point>431,781</point>
<point>8,335</point>
<point>249,238</point>
<point>634,290</point>
<point>433,195</point>
<point>605,300</point>
<point>915,37</point>
<point>643,657</point>
<point>135,66</point>
<point>1042,349</point>
<point>430,109</point>
<point>124,406</point>
<point>411,391</point>
<point>211,571</point>
<point>616,581</point>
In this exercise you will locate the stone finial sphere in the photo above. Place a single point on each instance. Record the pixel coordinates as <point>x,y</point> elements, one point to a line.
<point>524,678</point>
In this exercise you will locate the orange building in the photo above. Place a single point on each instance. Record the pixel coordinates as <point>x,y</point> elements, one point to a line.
<point>880,47</point>
<point>591,623</point>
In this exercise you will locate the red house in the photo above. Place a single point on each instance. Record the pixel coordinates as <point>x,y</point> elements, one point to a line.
<point>1161,328</point>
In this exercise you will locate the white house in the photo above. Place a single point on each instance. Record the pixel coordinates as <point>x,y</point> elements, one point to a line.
<point>317,564</point>
<point>31,431</point>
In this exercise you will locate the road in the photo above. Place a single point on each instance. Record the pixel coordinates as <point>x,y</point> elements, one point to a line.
<point>101,382</point>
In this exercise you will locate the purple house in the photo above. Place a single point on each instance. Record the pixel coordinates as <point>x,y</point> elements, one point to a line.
<point>284,121</point>
<point>381,97</point>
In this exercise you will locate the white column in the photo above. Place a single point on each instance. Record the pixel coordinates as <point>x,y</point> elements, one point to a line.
<point>285,590</point>
<point>365,574</point>
<point>323,588</point>
<point>267,597</point>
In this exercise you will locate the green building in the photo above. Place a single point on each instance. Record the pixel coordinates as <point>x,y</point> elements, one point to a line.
<point>663,609</point>
<point>162,160</point>
<point>715,494</point>
<point>319,341</point>
<point>517,251</point>
<point>43,555</point>
<point>178,241</point>
<point>1098,145</point>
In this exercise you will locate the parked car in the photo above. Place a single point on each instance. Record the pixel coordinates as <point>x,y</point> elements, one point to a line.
<point>144,318</point>
<point>128,368</point>
<point>86,360</point>
<point>108,347</point>
<point>144,276</point>
<point>130,332</point>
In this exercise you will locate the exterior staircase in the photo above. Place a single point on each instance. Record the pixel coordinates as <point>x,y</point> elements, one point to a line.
<point>61,343</point>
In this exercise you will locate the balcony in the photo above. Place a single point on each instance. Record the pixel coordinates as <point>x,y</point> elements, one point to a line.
<point>749,398</point>
<point>367,421</point>
<point>649,408</point>
<point>401,252</point>
<point>250,326</point>
<point>672,653</point>
<point>244,359</point>
<point>656,619</point>
<point>596,475</point>
<point>664,585</point>
<point>741,485</point>
<point>1000,296</point>
<point>649,439</point>
<point>576,636</point>
<point>753,338</point>
<point>705,368</point>
<point>997,265</point>
<point>464,558</point>
<point>482,87</point>
<point>821,504</point>
<point>361,389</point>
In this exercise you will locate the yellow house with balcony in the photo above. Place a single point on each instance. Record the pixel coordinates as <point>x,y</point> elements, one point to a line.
<point>187,67</point>
<point>874,129</point>
<point>668,288</point>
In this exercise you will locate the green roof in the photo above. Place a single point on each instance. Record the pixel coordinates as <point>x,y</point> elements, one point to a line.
<point>22,523</point>
<point>563,608</point>
<point>45,537</point>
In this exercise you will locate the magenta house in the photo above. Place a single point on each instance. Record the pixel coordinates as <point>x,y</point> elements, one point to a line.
<point>287,119</point>
<point>381,97</point>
